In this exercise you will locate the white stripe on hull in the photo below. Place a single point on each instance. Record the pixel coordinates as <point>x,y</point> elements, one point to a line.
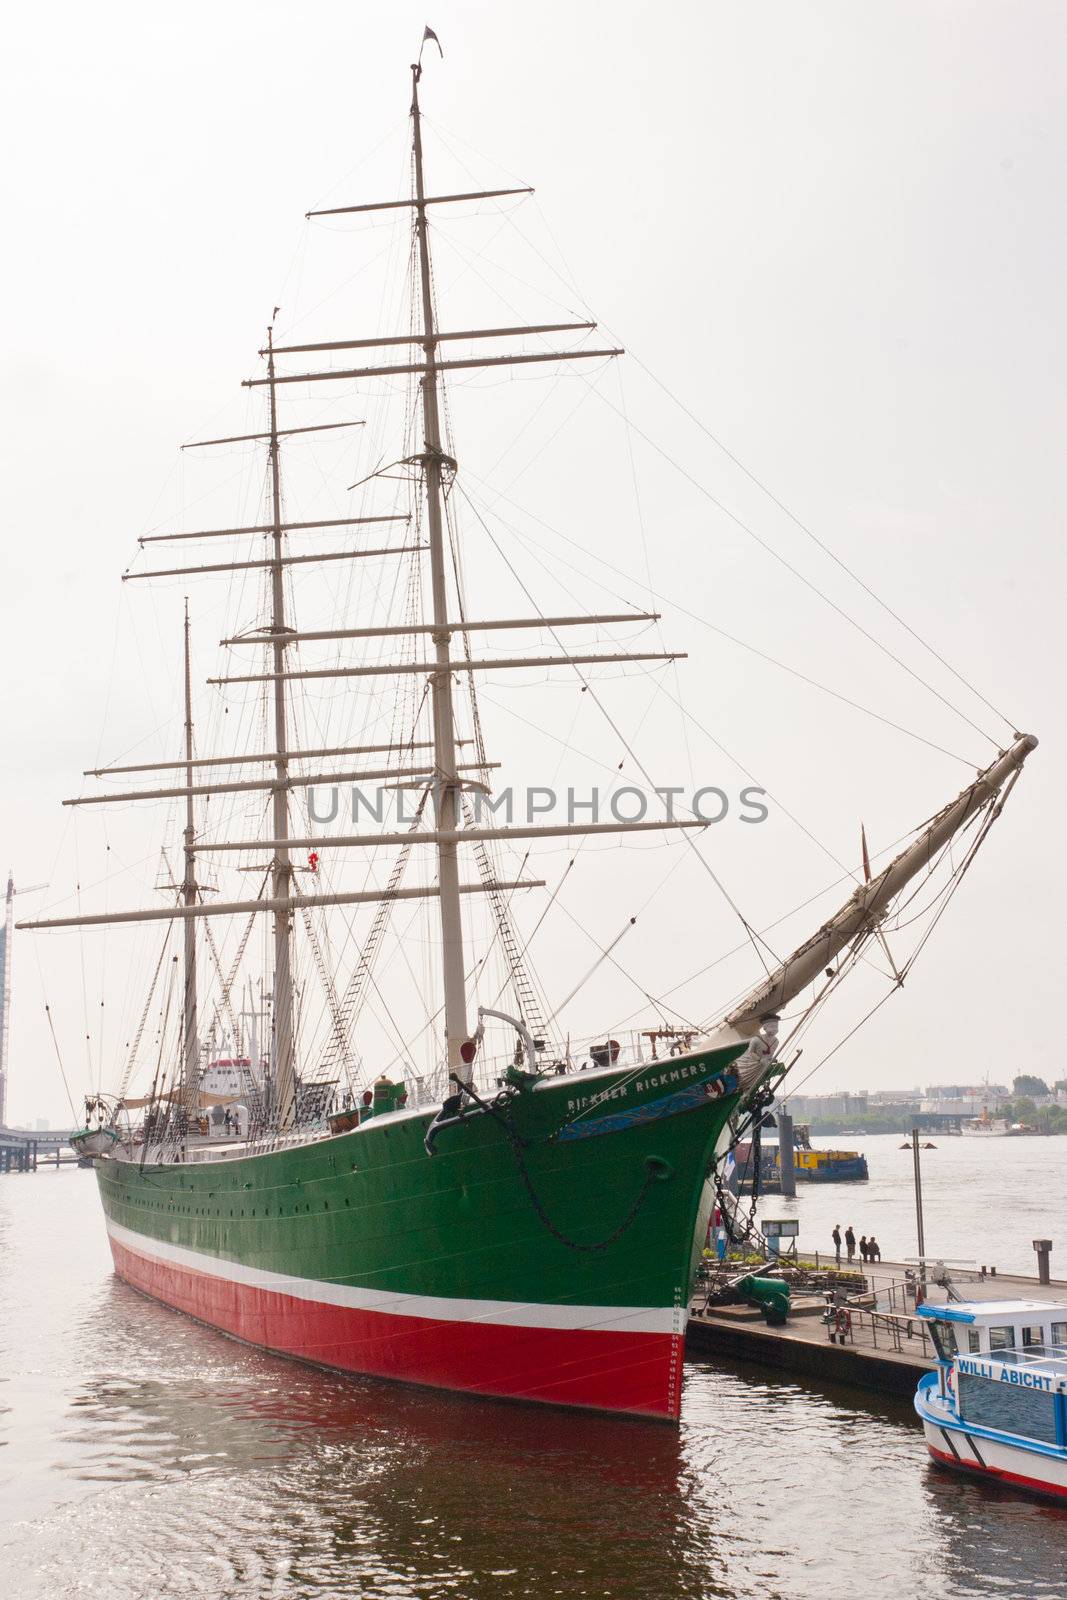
<point>516,1314</point>
<point>993,1456</point>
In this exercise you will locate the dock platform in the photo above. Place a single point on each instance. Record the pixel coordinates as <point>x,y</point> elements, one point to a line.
<point>879,1343</point>
<point>865,1360</point>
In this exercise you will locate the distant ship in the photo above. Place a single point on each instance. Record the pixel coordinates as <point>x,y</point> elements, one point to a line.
<point>986,1127</point>
<point>810,1164</point>
<point>826,1166</point>
<point>522,1224</point>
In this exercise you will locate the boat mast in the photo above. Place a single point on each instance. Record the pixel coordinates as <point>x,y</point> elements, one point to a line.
<point>189,892</point>
<point>281,871</point>
<point>446,782</point>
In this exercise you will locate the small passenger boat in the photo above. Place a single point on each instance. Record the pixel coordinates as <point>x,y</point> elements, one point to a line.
<point>996,1406</point>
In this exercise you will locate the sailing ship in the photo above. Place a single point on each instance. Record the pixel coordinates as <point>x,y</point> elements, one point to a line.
<point>523,1226</point>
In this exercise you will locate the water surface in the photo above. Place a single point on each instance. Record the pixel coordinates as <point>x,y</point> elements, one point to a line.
<point>142,1455</point>
<point>985,1200</point>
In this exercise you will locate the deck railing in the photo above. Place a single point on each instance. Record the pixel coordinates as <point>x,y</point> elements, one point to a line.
<point>634,1052</point>
<point>1052,1357</point>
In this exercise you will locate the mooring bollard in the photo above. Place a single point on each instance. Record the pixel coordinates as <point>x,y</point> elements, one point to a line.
<point>1044,1249</point>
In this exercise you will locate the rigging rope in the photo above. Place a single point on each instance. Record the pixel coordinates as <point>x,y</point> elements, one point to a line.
<point>820,543</point>
<point>336,1017</point>
<point>712,627</point>
<point>226,1003</point>
<point>750,932</point>
<point>351,1001</point>
<point>135,1046</point>
<point>795,571</point>
<point>570,283</point>
<point>991,814</point>
<point>59,1059</point>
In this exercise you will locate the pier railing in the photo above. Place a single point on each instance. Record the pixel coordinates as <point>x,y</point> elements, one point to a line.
<point>891,1330</point>
<point>880,1316</point>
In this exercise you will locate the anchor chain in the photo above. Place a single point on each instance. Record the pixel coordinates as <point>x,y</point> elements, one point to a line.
<point>656,1171</point>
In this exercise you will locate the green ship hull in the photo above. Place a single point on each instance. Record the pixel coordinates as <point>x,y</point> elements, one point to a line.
<point>543,1251</point>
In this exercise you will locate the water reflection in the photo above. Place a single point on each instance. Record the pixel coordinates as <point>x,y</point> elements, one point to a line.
<point>150,1456</point>
<point>284,1475</point>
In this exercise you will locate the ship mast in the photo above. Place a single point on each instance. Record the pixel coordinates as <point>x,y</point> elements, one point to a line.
<point>281,869</point>
<point>439,668</point>
<point>189,891</point>
<point>446,782</point>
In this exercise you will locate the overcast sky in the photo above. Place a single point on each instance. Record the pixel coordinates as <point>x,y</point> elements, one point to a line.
<point>835,233</point>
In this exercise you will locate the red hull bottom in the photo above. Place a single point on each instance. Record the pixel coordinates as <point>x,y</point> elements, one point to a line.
<point>1016,1480</point>
<point>630,1373</point>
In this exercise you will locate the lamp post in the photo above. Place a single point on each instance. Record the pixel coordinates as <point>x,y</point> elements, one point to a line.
<point>918,1196</point>
<point>919,1229</point>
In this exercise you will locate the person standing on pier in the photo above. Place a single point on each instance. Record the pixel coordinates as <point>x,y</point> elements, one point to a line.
<point>874,1249</point>
<point>850,1243</point>
<point>864,1248</point>
<point>836,1237</point>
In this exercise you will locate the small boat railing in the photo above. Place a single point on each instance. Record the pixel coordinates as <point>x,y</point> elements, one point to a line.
<point>1053,1357</point>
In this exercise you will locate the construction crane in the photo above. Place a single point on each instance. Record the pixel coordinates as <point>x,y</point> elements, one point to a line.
<point>5,964</point>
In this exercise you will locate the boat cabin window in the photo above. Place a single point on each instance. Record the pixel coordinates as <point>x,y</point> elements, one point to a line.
<point>1033,1336</point>
<point>944,1336</point>
<point>1008,1408</point>
<point>1002,1338</point>
<point>974,1341</point>
<point>1058,1333</point>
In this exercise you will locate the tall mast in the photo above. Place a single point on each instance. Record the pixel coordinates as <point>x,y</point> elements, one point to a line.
<point>446,783</point>
<point>192,1051</point>
<point>281,871</point>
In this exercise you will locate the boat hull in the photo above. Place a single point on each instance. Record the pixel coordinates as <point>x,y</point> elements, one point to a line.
<point>634,1366</point>
<point>546,1260</point>
<point>977,1452</point>
<point>90,1142</point>
<point>852,1169</point>
<point>1011,1465</point>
